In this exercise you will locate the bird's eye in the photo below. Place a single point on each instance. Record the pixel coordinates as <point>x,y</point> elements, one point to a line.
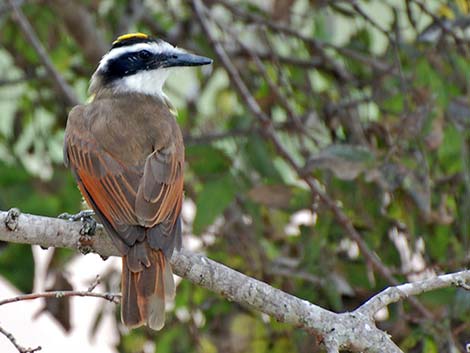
<point>144,54</point>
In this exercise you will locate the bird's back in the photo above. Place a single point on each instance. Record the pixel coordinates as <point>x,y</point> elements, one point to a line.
<point>131,132</point>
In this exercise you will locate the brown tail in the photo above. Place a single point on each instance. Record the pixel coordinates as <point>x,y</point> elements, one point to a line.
<point>147,280</point>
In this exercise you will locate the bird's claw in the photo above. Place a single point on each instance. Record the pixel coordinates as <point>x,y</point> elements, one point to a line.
<point>87,231</point>
<point>86,217</point>
<point>88,227</point>
<point>80,216</point>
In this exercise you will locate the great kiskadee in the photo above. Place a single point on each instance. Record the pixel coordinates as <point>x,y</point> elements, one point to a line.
<point>126,152</point>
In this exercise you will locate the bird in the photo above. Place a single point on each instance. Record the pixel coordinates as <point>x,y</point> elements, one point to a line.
<point>126,152</point>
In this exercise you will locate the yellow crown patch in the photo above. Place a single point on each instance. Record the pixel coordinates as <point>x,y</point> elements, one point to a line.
<point>130,36</point>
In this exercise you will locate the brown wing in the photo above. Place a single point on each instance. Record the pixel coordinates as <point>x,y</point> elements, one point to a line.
<point>130,199</point>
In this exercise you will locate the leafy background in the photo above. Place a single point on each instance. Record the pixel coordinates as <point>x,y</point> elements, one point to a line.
<point>369,97</point>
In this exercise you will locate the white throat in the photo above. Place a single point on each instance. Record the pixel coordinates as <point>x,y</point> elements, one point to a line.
<point>145,82</point>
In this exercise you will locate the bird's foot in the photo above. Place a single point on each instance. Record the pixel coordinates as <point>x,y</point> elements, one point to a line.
<point>78,216</point>
<point>87,231</point>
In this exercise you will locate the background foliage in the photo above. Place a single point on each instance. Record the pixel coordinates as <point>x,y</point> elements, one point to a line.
<point>370,98</point>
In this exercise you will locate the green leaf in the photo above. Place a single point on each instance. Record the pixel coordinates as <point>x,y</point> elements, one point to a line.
<point>439,243</point>
<point>206,345</point>
<point>212,201</point>
<point>169,339</point>
<point>345,161</point>
<point>248,334</point>
<point>19,273</point>
<point>206,160</point>
<point>429,346</point>
<point>461,304</point>
<point>260,158</point>
<point>133,342</point>
<point>333,295</point>
<point>394,104</point>
<point>449,152</point>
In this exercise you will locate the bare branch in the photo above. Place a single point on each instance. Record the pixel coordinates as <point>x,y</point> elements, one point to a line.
<point>355,330</point>
<point>348,330</point>
<point>82,27</point>
<point>18,347</point>
<point>95,283</point>
<point>310,63</point>
<point>372,22</point>
<point>461,43</point>
<point>112,297</point>
<point>394,294</point>
<point>15,81</point>
<point>6,8</point>
<point>135,10</point>
<point>62,86</point>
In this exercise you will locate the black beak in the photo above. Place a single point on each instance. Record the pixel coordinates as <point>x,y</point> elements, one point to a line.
<point>185,59</point>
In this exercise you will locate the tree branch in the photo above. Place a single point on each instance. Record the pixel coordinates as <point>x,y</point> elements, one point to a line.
<point>354,330</point>
<point>18,347</point>
<point>82,27</point>
<point>62,87</point>
<point>112,297</point>
<point>394,294</point>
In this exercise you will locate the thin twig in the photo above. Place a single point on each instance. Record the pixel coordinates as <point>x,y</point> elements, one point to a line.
<point>460,42</point>
<point>233,133</point>
<point>215,136</point>
<point>94,284</point>
<point>5,8</point>
<point>310,63</point>
<point>284,102</point>
<point>371,21</point>
<point>62,86</point>
<point>18,347</point>
<point>82,26</point>
<point>135,10</point>
<point>394,294</point>
<point>112,297</point>
<point>318,46</point>
<point>322,58</point>
<point>14,81</point>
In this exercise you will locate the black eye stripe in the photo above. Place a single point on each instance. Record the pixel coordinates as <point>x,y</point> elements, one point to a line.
<point>144,54</point>
<point>131,63</point>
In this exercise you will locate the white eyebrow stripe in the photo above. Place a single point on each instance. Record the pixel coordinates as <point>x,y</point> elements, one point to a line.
<point>154,47</point>
<point>116,52</point>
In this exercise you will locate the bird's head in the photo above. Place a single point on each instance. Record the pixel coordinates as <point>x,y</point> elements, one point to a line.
<point>139,63</point>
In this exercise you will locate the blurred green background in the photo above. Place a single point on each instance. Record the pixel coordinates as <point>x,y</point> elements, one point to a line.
<point>371,98</point>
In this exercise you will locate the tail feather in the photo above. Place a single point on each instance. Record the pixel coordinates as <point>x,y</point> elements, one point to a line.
<point>130,315</point>
<point>168,280</point>
<point>144,292</point>
<point>156,317</point>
